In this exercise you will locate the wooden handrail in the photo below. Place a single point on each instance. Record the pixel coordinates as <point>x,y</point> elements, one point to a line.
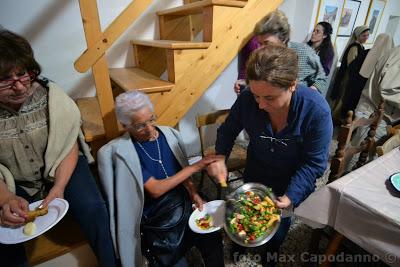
<point>91,26</point>
<point>102,42</point>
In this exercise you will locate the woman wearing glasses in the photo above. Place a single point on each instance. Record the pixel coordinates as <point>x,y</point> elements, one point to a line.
<point>146,178</point>
<point>39,153</point>
<point>289,127</point>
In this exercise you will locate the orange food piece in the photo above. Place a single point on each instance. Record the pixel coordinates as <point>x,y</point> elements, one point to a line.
<point>32,214</point>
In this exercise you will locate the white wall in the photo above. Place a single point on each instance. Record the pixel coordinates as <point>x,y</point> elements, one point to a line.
<point>55,31</point>
<point>392,9</point>
<point>393,28</point>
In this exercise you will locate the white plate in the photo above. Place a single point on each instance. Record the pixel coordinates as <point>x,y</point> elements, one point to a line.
<point>57,209</point>
<point>213,208</point>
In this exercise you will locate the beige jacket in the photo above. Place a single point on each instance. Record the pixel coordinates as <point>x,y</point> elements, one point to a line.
<point>64,130</point>
<point>384,83</point>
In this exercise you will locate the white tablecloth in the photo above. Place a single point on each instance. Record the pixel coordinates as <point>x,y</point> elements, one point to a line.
<point>362,206</point>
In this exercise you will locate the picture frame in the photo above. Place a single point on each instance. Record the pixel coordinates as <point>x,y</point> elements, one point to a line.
<point>330,11</point>
<point>348,18</point>
<point>374,15</point>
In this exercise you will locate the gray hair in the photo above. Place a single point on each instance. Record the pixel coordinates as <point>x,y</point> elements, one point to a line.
<point>128,103</point>
<point>275,23</point>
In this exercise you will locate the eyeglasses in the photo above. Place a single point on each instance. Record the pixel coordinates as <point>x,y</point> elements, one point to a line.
<point>141,126</point>
<point>25,78</point>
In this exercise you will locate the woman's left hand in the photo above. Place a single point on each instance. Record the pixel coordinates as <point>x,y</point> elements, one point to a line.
<point>55,192</point>
<point>198,201</point>
<point>283,202</point>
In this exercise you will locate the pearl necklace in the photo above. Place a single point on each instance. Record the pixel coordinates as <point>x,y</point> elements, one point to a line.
<point>159,160</point>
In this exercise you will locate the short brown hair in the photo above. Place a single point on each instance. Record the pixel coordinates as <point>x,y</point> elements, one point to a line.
<point>16,53</point>
<point>277,65</point>
<point>275,23</point>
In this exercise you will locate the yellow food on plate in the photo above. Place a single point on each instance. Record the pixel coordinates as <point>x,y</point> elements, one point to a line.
<point>32,214</point>
<point>30,228</point>
<point>205,222</point>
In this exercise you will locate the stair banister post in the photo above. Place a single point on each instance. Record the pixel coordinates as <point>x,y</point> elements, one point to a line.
<point>91,26</point>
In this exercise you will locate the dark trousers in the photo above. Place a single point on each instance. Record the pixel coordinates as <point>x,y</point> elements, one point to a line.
<point>271,247</point>
<point>209,245</point>
<point>87,207</point>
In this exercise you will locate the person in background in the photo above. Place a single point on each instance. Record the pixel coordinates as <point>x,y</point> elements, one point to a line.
<point>351,61</point>
<point>321,43</point>
<point>383,84</point>
<point>275,29</point>
<point>289,127</point>
<point>39,153</point>
<point>382,45</point>
<point>142,172</point>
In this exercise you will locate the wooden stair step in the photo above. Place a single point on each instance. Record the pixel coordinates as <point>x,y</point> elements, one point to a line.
<point>61,239</point>
<point>137,79</point>
<point>171,44</point>
<point>92,123</point>
<point>197,7</point>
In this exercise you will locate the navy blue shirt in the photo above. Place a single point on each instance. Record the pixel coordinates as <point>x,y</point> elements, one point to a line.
<point>152,168</point>
<point>289,161</point>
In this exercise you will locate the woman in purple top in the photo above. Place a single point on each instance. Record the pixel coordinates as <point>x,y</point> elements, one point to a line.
<point>244,54</point>
<point>321,42</point>
<point>275,29</point>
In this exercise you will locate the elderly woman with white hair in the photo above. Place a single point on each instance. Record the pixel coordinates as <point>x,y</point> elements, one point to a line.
<point>146,178</point>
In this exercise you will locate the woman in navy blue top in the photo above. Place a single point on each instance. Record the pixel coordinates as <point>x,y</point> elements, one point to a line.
<point>289,126</point>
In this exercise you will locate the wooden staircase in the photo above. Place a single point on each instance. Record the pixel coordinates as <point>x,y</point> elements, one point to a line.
<point>189,66</point>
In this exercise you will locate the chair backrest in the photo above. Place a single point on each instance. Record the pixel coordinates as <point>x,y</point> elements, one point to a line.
<point>345,150</point>
<point>216,117</point>
<point>393,141</point>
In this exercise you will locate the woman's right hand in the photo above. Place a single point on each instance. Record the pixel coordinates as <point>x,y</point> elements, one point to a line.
<point>14,211</point>
<point>237,86</point>
<point>218,171</point>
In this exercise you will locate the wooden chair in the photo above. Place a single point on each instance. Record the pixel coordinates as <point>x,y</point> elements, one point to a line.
<point>393,141</point>
<point>237,158</point>
<point>346,151</point>
<point>343,155</point>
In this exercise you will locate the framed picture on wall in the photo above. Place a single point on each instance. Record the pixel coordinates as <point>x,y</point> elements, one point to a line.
<point>330,11</point>
<point>374,16</point>
<point>349,15</point>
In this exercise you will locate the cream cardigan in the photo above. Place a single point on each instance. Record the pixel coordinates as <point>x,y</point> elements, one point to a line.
<point>64,130</point>
<point>384,83</point>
